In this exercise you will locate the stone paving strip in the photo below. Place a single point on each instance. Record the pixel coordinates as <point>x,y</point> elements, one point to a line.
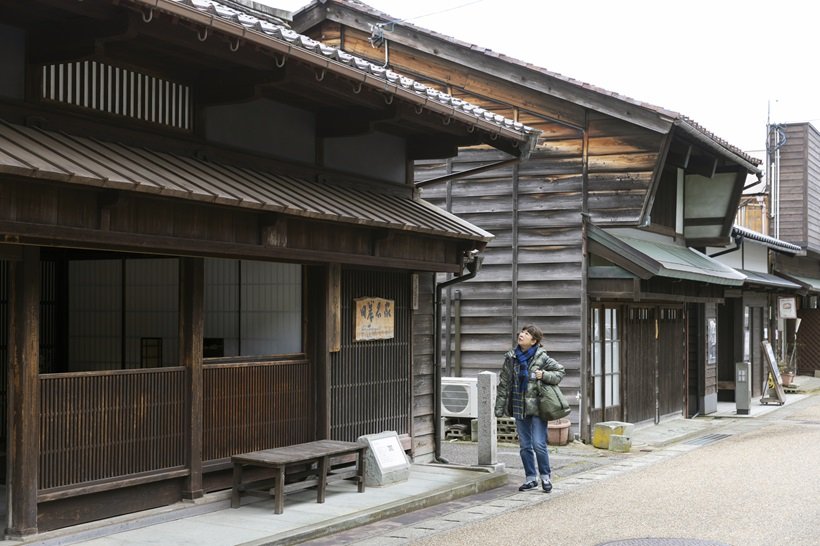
<point>497,502</point>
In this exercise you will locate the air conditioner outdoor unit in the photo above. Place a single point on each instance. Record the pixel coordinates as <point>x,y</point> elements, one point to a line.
<point>459,397</point>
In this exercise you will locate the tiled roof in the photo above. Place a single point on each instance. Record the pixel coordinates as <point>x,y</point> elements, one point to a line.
<point>680,118</point>
<point>277,29</point>
<point>771,242</point>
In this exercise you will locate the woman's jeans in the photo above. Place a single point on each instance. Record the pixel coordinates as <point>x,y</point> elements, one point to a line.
<point>532,438</point>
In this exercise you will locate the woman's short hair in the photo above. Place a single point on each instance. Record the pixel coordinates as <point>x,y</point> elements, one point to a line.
<point>534,331</point>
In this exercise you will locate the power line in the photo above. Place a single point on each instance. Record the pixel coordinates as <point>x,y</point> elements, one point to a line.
<point>377,31</point>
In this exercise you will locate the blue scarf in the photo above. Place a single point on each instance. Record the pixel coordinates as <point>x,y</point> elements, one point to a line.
<point>521,372</point>
<point>523,358</point>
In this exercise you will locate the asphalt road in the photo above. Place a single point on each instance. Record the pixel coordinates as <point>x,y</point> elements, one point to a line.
<point>760,485</point>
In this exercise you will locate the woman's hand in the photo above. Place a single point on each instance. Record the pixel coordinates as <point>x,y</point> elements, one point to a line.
<point>539,374</point>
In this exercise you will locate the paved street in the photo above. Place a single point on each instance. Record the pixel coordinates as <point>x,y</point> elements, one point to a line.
<point>744,483</point>
<point>759,485</point>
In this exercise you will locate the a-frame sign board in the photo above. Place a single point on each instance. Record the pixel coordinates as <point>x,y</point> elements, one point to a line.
<point>772,395</point>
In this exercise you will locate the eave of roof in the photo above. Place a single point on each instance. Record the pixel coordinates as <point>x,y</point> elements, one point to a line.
<point>592,95</point>
<point>247,27</point>
<point>654,258</point>
<point>808,284</point>
<point>37,154</point>
<point>768,280</point>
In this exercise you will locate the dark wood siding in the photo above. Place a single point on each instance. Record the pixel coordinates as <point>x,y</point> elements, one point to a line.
<point>622,158</point>
<point>423,446</point>
<point>640,364</point>
<point>671,360</point>
<point>532,270</point>
<point>793,158</point>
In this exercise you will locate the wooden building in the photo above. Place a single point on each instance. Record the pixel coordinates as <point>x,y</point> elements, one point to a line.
<point>749,313</point>
<point>597,234</point>
<point>795,154</point>
<point>210,243</point>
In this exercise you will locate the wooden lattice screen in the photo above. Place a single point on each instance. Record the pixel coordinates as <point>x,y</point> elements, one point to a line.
<point>256,405</point>
<point>808,352</point>
<point>371,380</point>
<point>104,425</point>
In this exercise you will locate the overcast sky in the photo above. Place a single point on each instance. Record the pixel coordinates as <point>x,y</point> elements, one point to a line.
<point>730,65</point>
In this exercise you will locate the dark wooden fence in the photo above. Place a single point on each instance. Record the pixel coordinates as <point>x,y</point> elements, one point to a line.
<point>101,430</point>
<point>256,405</point>
<point>97,426</point>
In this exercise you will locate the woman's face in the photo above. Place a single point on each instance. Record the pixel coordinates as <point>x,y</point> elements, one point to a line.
<point>525,340</point>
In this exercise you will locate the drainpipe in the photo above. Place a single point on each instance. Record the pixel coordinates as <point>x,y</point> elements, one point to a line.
<point>738,241</point>
<point>473,266</point>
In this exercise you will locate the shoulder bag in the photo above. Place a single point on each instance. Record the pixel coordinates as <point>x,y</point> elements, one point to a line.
<point>552,404</point>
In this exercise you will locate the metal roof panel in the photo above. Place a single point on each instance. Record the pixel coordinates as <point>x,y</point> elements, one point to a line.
<point>57,156</point>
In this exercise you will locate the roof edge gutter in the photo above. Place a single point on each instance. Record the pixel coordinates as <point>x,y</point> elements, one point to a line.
<point>716,146</point>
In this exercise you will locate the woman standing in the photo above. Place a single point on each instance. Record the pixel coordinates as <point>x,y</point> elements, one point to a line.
<point>524,366</point>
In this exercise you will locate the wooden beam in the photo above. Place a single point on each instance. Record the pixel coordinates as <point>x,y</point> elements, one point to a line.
<point>679,155</point>
<point>704,165</point>
<point>334,308</point>
<point>191,329</point>
<point>64,236</point>
<point>24,393</point>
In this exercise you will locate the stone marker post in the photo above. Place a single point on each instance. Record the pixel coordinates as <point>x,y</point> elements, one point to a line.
<point>487,425</point>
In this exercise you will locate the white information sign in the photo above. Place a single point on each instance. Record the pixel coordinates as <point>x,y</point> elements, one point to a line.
<point>388,451</point>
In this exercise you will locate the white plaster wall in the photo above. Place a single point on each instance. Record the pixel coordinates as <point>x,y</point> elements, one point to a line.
<point>151,308</point>
<point>271,315</point>
<point>751,256</point>
<point>222,303</point>
<point>94,315</point>
<point>256,307</point>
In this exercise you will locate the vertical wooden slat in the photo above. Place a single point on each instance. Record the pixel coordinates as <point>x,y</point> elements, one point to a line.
<point>99,425</point>
<point>258,405</point>
<point>371,384</point>
<point>191,328</point>
<point>23,446</point>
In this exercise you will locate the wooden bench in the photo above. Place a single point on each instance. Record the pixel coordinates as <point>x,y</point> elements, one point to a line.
<point>300,458</point>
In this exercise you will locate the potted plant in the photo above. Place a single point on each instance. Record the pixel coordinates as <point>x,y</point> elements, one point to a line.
<point>558,432</point>
<point>786,374</point>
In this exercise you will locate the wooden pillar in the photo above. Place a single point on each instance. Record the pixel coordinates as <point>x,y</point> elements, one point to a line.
<point>191,325</point>
<point>24,393</point>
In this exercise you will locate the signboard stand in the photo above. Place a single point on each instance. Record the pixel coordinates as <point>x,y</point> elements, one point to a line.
<point>385,461</point>
<point>775,394</point>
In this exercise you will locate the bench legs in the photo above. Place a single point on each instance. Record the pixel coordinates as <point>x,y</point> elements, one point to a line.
<point>237,483</point>
<point>323,464</point>
<point>279,490</point>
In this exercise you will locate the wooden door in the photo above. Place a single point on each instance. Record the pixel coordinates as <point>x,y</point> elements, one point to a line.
<point>671,360</point>
<point>640,364</point>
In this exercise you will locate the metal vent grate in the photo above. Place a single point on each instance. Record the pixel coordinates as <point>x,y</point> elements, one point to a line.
<point>118,91</point>
<point>708,439</point>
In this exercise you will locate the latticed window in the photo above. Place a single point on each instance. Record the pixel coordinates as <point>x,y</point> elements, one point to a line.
<point>118,91</point>
<point>606,357</point>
